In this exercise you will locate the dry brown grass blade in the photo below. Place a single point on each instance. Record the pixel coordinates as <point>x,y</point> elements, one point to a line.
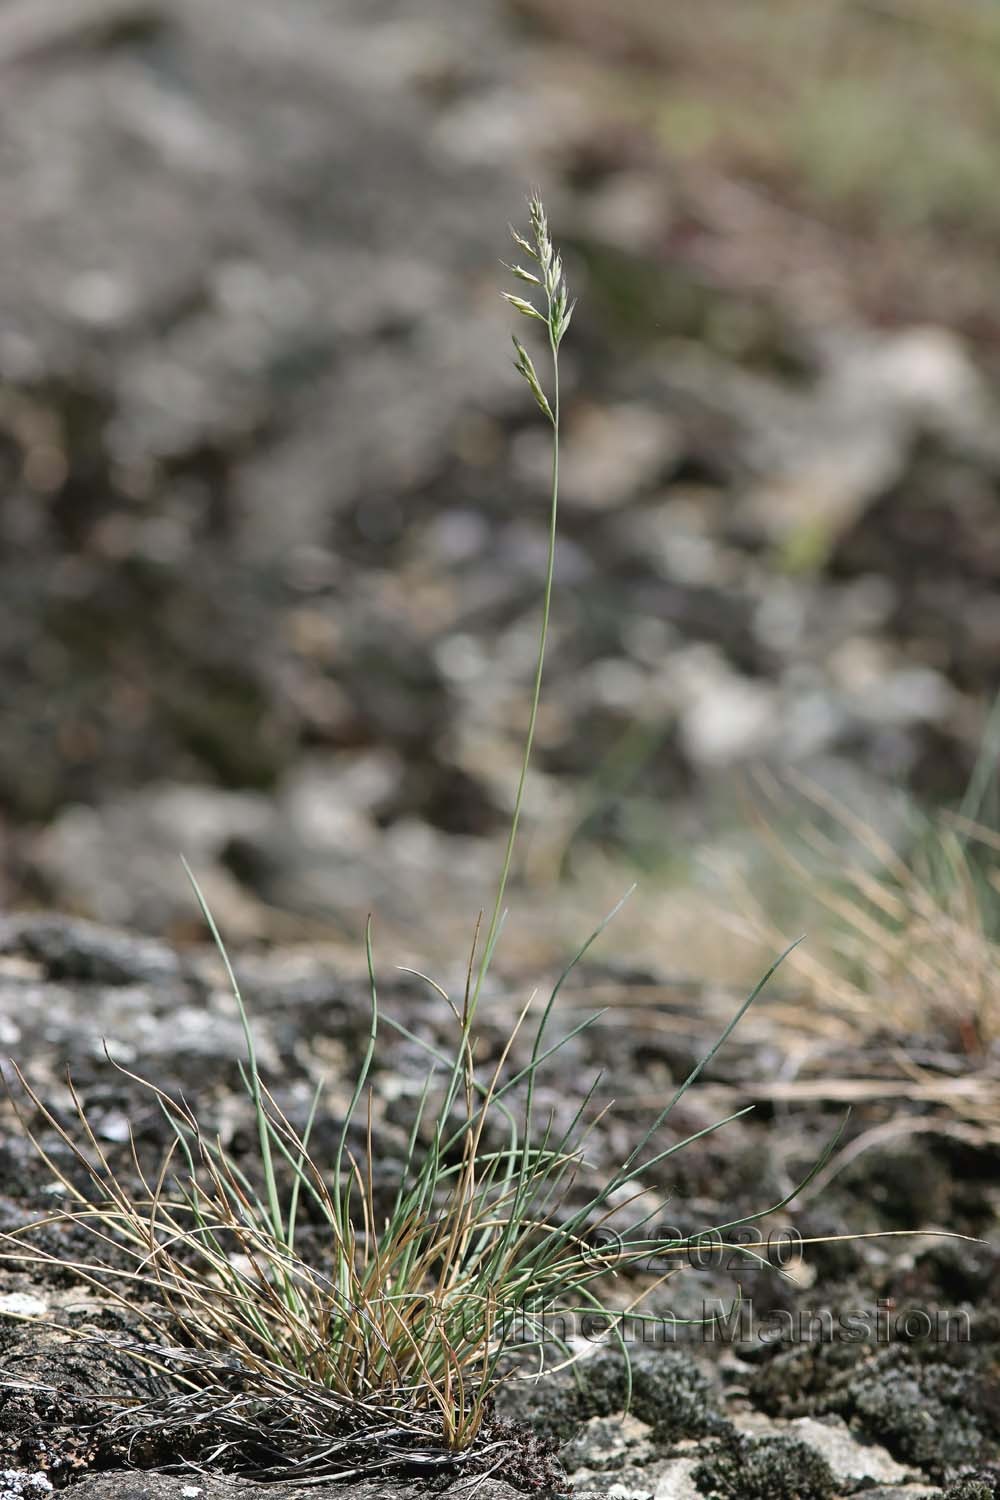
<point>908,946</point>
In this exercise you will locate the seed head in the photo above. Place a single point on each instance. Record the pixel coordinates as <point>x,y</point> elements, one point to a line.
<point>552,307</point>
<point>523,365</point>
<point>522,306</point>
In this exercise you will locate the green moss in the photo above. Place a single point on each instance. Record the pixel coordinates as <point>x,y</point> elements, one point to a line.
<point>937,1415</point>
<point>747,1468</point>
<point>973,1489</point>
<point>669,1392</point>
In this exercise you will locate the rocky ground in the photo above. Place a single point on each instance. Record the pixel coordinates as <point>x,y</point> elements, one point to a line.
<point>865,1366</point>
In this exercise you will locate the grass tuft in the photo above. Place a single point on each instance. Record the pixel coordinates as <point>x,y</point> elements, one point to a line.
<point>382,1351</point>
<point>912,935</point>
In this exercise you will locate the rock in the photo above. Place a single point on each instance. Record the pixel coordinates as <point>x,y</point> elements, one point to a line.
<point>926,372</point>
<point>931,1406</point>
<point>34,28</point>
<point>122,865</point>
<point>675,1480</point>
<point>879,691</point>
<point>172,1018</point>
<point>22,1305</point>
<point>676,1397</point>
<point>775,1468</point>
<point>68,949</point>
<point>938,1416</point>
<point>137,1485</point>
<point>18,1484</point>
<point>852,1463</point>
<point>606,1444</point>
<point>848,442</point>
<point>724,718</point>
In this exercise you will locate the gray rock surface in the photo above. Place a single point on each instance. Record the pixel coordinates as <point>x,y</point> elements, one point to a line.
<point>838,1414</point>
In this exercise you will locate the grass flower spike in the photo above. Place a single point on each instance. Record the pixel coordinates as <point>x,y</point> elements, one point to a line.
<point>555,310</point>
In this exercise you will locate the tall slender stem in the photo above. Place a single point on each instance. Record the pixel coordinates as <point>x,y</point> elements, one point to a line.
<point>543,635</point>
<point>556,317</point>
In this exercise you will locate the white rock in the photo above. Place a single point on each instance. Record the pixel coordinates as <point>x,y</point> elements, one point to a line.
<point>15,1484</point>
<point>726,718</point>
<point>675,1481</point>
<point>850,1461</point>
<point>22,1305</point>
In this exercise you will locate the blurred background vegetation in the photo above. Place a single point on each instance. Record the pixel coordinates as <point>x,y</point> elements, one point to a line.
<point>272,505</point>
